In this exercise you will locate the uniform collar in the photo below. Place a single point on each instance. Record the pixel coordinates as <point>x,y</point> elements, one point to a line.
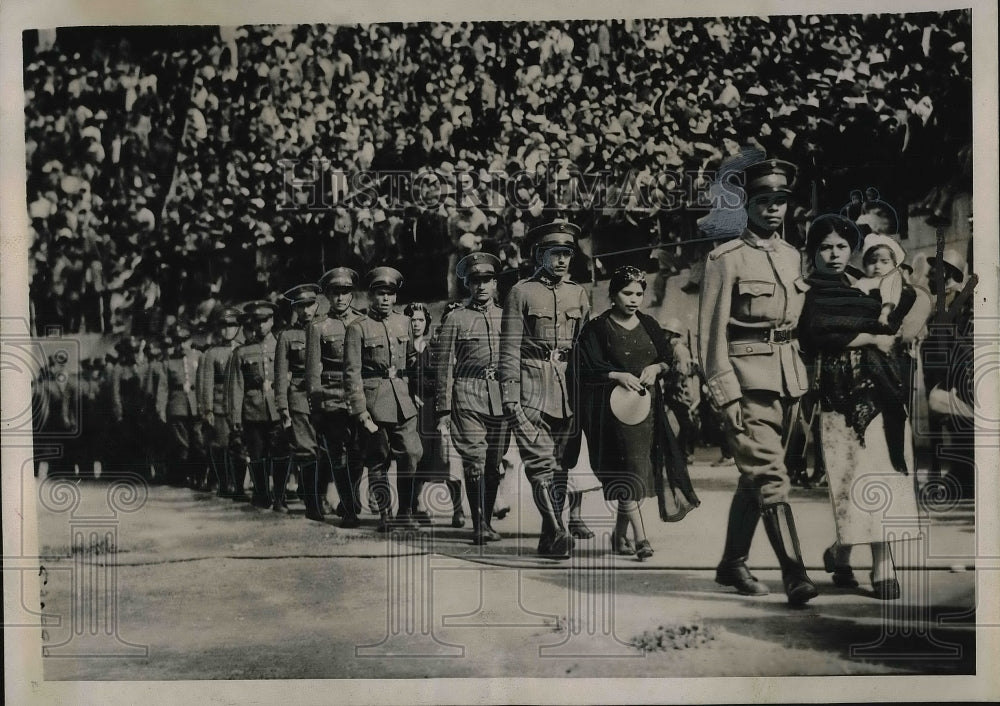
<point>480,307</point>
<point>545,277</point>
<point>753,240</point>
<point>377,316</point>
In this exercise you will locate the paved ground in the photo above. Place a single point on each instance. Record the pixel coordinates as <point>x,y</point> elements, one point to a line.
<point>203,588</point>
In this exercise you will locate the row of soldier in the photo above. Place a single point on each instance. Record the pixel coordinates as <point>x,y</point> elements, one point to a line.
<point>333,396</point>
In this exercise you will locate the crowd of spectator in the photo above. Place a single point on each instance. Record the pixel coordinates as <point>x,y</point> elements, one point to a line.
<point>271,153</point>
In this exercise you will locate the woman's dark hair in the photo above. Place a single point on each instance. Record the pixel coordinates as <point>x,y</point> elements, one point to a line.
<point>418,306</point>
<point>832,223</point>
<point>624,276</point>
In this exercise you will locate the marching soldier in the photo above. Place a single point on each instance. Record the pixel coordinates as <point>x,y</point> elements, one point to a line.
<point>379,398</point>
<point>212,399</point>
<point>290,388</point>
<point>59,399</point>
<point>252,410</point>
<point>155,430</point>
<point>128,406</point>
<point>542,317</point>
<point>751,297</point>
<point>469,402</point>
<point>177,394</point>
<point>325,386</point>
<point>91,440</point>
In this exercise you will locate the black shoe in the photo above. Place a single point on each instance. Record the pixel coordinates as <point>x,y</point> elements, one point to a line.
<point>557,546</point>
<point>886,589</point>
<point>501,513</point>
<point>740,578</point>
<point>315,518</point>
<point>690,288</point>
<point>280,507</point>
<point>492,535</point>
<point>643,550</point>
<point>622,545</point>
<point>579,530</point>
<point>349,523</point>
<point>843,577</point>
<point>458,520</point>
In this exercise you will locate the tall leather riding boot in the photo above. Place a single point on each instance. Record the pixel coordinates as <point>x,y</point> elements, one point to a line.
<point>780,526</point>
<point>490,491</point>
<point>378,489</point>
<point>324,486</point>
<point>404,513</point>
<point>455,493</point>
<point>239,470</point>
<point>281,470</point>
<point>473,489</point>
<point>555,540</point>
<point>349,506</point>
<point>744,513</point>
<point>310,490</point>
<point>261,493</point>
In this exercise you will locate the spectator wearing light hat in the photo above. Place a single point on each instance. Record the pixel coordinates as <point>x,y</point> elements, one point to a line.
<point>542,318</point>
<point>469,402</point>
<point>252,410</point>
<point>211,398</point>
<point>378,396</point>
<point>750,302</point>
<point>290,394</point>
<point>336,429</point>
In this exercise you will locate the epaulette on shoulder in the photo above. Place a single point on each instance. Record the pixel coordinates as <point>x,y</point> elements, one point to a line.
<point>727,247</point>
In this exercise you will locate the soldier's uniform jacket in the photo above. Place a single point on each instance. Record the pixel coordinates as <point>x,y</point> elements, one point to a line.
<point>325,338</point>
<point>154,388</point>
<point>469,360</point>
<point>250,383</point>
<point>541,321</point>
<point>180,385</point>
<point>128,390</point>
<point>375,368</point>
<point>290,371</point>
<point>59,395</point>
<point>751,297</point>
<point>212,378</point>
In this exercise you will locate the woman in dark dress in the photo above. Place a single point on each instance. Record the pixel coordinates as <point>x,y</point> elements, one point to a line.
<point>625,348</point>
<point>865,436</point>
<point>434,466</point>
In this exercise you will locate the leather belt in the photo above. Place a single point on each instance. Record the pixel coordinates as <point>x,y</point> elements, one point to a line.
<point>556,355</point>
<point>328,376</point>
<point>384,375</point>
<point>473,372</point>
<point>741,334</point>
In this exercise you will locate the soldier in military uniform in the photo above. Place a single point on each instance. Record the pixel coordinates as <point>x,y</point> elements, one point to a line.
<point>378,396</point>
<point>290,388</point>
<point>542,318</point>
<point>751,297</point>
<point>155,439</point>
<point>177,393</point>
<point>327,393</point>
<point>58,401</point>
<point>252,410</point>
<point>469,402</point>
<point>127,404</point>
<point>212,398</point>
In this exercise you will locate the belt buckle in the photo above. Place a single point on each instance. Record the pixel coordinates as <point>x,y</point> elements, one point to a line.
<point>391,372</point>
<point>555,356</point>
<point>490,374</point>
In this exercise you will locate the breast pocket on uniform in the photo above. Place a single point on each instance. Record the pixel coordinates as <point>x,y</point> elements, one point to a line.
<point>332,347</point>
<point>755,295</point>
<point>297,353</point>
<point>571,324</point>
<point>541,321</point>
<point>252,373</point>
